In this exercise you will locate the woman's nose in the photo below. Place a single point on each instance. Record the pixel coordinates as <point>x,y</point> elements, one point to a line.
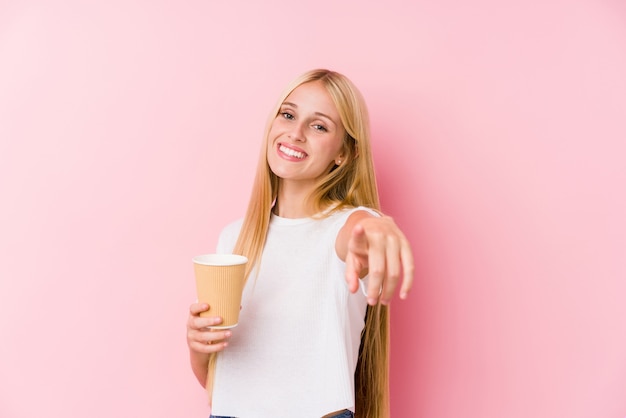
<point>297,132</point>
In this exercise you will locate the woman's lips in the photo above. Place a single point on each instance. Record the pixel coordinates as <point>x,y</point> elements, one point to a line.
<point>292,152</point>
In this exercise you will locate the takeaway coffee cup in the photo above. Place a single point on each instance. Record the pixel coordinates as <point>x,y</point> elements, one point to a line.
<point>219,283</point>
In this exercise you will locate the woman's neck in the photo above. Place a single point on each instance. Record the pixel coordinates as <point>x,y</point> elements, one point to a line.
<point>291,202</point>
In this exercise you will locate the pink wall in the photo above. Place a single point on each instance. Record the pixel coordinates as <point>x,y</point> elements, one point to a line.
<point>128,136</point>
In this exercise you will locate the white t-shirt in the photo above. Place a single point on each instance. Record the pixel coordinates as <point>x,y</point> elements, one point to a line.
<point>296,347</point>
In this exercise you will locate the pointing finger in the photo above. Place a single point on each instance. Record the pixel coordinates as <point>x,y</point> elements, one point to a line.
<point>358,241</point>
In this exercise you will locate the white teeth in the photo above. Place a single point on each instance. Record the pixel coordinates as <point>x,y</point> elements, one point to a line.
<point>291,153</point>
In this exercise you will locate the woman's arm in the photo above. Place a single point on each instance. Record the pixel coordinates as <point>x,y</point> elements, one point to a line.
<point>375,245</point>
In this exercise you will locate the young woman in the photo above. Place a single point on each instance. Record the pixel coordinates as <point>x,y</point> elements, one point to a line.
<point>309,343</point>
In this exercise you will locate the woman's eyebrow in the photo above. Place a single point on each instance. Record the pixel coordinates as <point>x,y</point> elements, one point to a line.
<point>295,106</point>
<point>325,116</point>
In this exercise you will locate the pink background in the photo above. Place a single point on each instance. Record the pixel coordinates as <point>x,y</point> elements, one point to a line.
<point>129,131</point>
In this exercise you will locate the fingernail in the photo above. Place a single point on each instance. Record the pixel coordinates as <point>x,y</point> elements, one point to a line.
<point>228,333</point>
<point>371,301</point>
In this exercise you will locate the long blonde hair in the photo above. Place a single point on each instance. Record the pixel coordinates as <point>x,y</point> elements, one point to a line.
<point>350,184</point>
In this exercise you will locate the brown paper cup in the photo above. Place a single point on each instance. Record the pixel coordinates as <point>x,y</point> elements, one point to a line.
<point>219,282</point>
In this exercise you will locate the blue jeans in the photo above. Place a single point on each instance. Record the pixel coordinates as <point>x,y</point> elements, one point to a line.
<point>345,414</point>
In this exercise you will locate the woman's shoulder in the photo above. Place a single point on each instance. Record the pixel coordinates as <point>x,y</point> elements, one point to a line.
<point>228,237</point>
<point>339,217</point>
<point>345,212</point>
<point>233,227</point>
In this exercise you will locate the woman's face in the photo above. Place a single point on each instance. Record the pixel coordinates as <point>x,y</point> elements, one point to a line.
<point>306,137</point>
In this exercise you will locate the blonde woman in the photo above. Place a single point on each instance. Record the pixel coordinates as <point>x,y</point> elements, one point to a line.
<point>309,343</point>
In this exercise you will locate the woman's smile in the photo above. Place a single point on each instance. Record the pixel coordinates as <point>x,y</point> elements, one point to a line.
<point>291,153</point>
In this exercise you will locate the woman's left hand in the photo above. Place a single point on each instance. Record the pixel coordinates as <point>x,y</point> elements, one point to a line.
<point>376,246</point>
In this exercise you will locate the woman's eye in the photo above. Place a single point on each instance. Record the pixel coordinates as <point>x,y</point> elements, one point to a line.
<point>321,128</point>
<point>287,115</point>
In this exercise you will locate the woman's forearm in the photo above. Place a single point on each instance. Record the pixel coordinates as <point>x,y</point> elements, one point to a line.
<point>199,366</point>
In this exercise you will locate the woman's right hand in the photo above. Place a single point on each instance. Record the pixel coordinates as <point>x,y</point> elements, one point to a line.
<point>201,338</point>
